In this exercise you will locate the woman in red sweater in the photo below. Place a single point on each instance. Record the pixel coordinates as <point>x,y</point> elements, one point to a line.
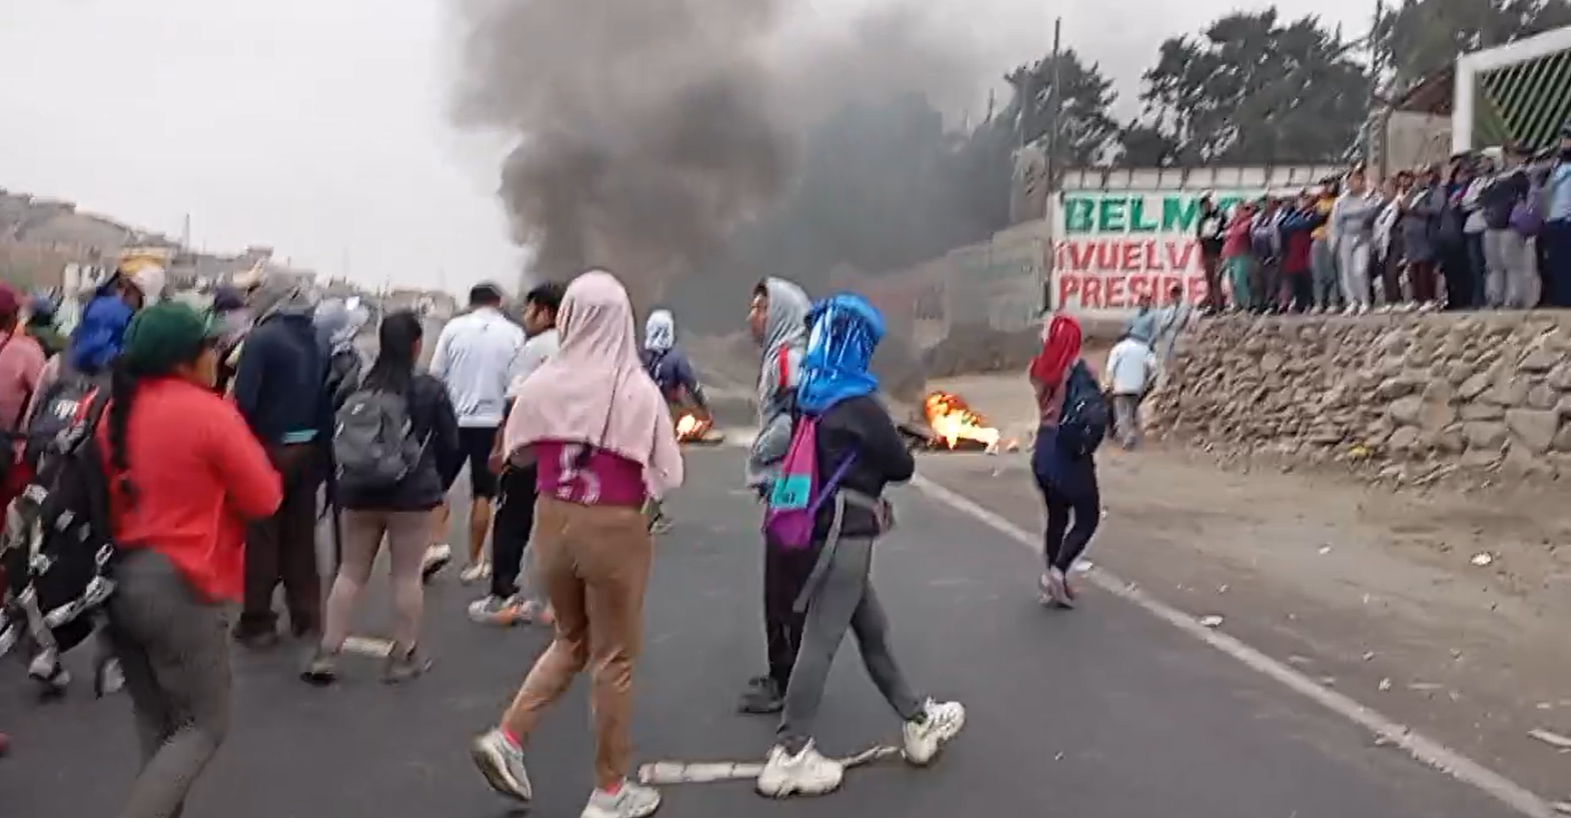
<point>185,475</point>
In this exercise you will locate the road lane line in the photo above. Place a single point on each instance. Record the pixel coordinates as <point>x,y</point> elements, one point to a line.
<point>1419,746</point>
<point>661,773</point>
<point>372,646</point>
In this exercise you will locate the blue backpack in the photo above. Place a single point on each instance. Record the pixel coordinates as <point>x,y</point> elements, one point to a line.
<point>1086,416</point>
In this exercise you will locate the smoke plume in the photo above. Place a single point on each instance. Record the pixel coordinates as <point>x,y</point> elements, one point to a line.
<point>644,127</point>
<point>647,129</point>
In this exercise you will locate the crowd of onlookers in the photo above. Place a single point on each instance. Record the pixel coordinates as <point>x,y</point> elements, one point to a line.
<point>1490,230</point>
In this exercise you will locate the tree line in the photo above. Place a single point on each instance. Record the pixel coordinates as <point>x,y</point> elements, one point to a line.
<point>886,184</point>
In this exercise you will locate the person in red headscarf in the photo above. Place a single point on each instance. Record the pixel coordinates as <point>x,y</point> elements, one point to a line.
<point>1063,465</point>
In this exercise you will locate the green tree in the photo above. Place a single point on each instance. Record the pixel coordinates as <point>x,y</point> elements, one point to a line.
<point>1087,128</point>
<point>1250,89</point>
<point>1419,38</point>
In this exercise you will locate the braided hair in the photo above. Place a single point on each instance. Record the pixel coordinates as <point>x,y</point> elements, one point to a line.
<point>122,393</point>
<point>125,381</point>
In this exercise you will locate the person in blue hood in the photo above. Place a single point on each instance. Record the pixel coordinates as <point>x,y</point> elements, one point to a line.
<point>98,337</point>
<point>280,387</point>
<point>857,440</point>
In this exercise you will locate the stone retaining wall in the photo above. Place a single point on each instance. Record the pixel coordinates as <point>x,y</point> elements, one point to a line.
<point>1410,399</point>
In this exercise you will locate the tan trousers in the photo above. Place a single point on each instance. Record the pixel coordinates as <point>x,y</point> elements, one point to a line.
<point>593,563</point>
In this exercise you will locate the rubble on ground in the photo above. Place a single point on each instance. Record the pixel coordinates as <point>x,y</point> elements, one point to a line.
<point>1407,399</point>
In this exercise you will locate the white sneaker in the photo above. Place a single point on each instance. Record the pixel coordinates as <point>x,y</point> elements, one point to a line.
<point>476,572</point>
<point>806,773</point>
<point>1055,589</point>
<point>1352,309</point>
<point>923,739</point>
<point>1363,309</point>
<point>630,801</point>
<point>502,764</point>
<point>436,558</point>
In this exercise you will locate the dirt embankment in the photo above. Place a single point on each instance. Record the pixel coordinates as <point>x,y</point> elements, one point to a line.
<point>1291,504</point>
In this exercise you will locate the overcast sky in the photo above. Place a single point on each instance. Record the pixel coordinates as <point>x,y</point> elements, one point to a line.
<point>319,127</point>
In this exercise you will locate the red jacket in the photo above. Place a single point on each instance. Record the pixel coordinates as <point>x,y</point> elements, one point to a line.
<point>1298,239</point>
<point>199,477</point>
<point>1235,241</point>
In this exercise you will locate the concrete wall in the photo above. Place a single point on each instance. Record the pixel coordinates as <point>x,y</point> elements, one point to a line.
<point>1415,139</point>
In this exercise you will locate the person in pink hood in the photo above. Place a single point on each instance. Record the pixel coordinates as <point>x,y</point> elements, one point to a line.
<point>603,438</point>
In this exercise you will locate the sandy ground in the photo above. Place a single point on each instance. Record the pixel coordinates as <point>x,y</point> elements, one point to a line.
<point>1380,595</point>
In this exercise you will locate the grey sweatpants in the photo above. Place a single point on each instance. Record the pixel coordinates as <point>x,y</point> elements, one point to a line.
<point>174,653</point>
<point>843,600</point>
<point>1126,414</point>
<point>1511,280</point>
<point>1352,261</point>
<point>1327,286</point>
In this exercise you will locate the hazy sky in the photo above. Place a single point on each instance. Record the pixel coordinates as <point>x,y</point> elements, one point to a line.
<point>319,127</point>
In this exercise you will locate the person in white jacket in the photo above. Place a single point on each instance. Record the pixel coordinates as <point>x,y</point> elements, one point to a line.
<point>1131,369</point>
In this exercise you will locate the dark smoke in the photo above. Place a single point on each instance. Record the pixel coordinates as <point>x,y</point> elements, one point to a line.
<point>645,127</point>
<point>646,130</point>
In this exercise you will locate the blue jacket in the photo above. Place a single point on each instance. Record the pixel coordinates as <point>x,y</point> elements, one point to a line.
<point>97,339</point>
<point>672,372</point>
<point>281,384</point>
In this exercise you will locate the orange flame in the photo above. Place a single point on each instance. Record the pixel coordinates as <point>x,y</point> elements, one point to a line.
<point>953,421</point>
<point>692,427</point>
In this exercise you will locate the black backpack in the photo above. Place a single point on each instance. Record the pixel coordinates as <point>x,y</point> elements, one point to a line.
<point>58,548</point>
<point>1086,417</point>
<point>59,408</point>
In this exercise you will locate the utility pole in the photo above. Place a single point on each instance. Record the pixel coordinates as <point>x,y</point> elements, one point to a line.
<point>1373,121</point>
<point>1055,103</point>
<point>1050,183</point>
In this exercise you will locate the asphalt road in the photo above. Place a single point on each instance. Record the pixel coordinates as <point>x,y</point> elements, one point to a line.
<point>1104,712</point>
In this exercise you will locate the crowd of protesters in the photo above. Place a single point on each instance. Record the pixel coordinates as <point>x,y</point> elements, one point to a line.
<point>1490,230</point>
<point>214,435</point>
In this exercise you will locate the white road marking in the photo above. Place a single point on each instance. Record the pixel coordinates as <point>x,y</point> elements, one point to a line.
<point>703,772</point>
<point>1421,747</point>
<point>373,646</point>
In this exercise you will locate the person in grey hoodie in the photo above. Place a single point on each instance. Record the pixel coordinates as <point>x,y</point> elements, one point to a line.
<point>1352,236</point>
<point>777,318</point>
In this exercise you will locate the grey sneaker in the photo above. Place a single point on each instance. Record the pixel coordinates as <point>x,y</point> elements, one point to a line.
<point>629,801</point>
<point>321,669</point>
<point>403,665</point>
<point>502,764</point>
<point>762,697</point>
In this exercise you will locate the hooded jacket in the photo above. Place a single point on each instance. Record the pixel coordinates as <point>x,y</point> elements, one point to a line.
<point>280,385</point>
<point>99,335</point>
<point>667,362</point>
<point>785,341</point>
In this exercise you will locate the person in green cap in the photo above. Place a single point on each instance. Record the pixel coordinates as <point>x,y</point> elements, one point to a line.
<point>185,474</point>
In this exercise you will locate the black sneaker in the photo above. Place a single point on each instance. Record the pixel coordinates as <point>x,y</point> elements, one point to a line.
<point>763,697</point>
<point>254,638</point>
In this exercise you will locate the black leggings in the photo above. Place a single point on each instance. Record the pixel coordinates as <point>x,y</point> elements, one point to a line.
<point>511,528</point>
<point>786,572</point>
<point>1062,543</point>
